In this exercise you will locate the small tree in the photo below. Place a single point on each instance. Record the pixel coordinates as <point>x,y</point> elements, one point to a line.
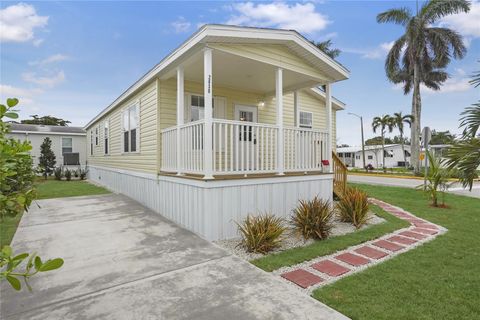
<point>384,123</point>
<point>47,157</point>
<point>437,179</point>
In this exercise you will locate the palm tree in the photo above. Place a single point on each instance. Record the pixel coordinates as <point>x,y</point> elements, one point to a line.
<point>399,120</point>
<point>384,123</point>
<point>465,154</point>
<point>421,54</point>
<point>325,46</point>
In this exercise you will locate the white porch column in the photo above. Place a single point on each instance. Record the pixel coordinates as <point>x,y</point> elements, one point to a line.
<point>180,116</point>
<point>207,136</point>
<point>328,105</point>
<point>296,111</point>
<point>279,105</point>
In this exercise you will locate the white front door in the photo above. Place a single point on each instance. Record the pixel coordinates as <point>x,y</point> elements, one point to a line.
<point>246,156</point>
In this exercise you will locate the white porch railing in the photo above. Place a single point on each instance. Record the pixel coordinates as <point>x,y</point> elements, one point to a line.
<point>242,148</point>
<point>304,149</point>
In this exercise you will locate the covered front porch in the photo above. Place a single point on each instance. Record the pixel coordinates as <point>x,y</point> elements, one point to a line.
<point>233,121</point>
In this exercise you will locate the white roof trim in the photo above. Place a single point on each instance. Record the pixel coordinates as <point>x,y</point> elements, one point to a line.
<point>339,105</point>
<point>48,133</point>
<point>226,31</point>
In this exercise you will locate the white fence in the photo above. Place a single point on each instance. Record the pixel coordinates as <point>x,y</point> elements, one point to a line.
<point>241,147</point>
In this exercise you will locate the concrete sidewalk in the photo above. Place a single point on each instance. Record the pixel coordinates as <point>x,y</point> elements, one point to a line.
<point>411,183</point>
<point>123,261</point>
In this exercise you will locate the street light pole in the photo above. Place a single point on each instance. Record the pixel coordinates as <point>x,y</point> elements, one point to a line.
<point>363,141</point>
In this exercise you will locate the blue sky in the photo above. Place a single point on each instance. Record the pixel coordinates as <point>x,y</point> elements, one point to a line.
<point>71,59</point>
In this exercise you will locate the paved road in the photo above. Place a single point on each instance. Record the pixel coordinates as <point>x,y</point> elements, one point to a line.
<point>122,261</point>
<point>412,183</point>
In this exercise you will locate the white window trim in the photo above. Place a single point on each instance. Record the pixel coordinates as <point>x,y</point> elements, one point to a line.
<point>300,118</point>
<point>135,105</point>
<point>70,146</point>
<point>97,135</point>
<point>106,125</point>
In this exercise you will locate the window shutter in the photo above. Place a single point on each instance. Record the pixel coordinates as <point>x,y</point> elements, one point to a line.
<point>219,111</point>
<point>122,129</point>
<point>137,118</point>
<point>187,112</point>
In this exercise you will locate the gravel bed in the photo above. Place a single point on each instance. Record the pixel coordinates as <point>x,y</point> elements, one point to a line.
<point>291,240</point>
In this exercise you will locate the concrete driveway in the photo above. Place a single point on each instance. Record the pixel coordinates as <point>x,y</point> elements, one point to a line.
<point>412,183</point>
<point>123,261</point>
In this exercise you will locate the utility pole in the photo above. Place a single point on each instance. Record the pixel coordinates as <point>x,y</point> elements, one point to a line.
<point>363,141</point>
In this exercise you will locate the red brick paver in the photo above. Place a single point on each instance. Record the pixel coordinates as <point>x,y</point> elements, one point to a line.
<point>331,268</point>
<point>371,252</point>
<point>302,278</point>
<point>425,225</point>
<point>414,235</point>
<point>425,231</point>
<point>352,259</point>
<point>402,240</point>
<point>388,245</point>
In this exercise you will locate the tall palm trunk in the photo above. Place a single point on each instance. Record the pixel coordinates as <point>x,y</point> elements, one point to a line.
<point>416,111</point>
<point>403,149</point>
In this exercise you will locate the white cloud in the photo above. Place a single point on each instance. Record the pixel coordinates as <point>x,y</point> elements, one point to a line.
<point>468,24</point>
<point>301,17</point>
<point>450,86</point>
<point>25,96</point>
<point>49,60</point>
<point>44,81</point>
<point>379,52</point>
<point>181,25</point>
<point>18,23</point>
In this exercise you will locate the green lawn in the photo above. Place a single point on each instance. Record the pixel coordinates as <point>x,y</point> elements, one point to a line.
<point>331,245</point>
<point>47,189</point>
<point>50,188</point>
<point>439,280</point>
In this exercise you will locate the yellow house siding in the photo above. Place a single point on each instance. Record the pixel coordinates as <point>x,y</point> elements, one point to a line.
<point>146,158</point>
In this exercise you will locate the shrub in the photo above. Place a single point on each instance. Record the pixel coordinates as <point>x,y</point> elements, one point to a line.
<point>261,233</point>
<point>58,173</point>
<point>83,174</point>
<point>353,207</point>
<point>47,157</point>
<point>313,219</point>
<point>75,173</point>
<point>437,179</point>
<point>68,174</point>
<point>16,172</point>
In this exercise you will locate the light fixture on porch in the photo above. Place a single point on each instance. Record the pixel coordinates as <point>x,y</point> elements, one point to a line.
<point>261,103</point>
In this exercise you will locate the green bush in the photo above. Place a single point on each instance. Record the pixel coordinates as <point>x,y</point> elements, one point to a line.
<point>16,172</point>
<point>312,219</point>
<point>58,173</point>
<point>83,173</point>
<point>261,233</point>
<point>353,207</point>
<point>68,174</point>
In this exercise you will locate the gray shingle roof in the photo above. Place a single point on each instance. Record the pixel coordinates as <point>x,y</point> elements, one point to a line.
<point>46,129</point>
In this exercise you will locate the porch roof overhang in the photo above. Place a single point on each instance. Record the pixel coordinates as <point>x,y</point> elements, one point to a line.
<point>328,70</point>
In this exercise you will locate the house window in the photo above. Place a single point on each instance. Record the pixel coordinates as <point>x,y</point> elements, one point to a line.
<point>96,136</point>
<point>106,136</point>
<point>407,154</point>
<point>198,107</point>
<point>370,157</point>
<point>130,128</point>
<point>357,157</point>
<point>306,119</point>
<point>67,145</point>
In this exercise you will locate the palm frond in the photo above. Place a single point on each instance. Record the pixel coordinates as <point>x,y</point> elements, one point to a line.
<point>399,16</point>
<point>471,120</point>
<point>434,10</point>
<point>465,156</point>
<point>392,63</point>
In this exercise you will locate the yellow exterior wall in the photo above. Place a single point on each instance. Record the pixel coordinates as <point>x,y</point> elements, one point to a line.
<point>159,97</point>
<point>146,158</point>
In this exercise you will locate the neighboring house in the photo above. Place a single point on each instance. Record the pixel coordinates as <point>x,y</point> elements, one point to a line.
<point>68,143</point>
<point>230,123</point>
<point>353,157</point>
